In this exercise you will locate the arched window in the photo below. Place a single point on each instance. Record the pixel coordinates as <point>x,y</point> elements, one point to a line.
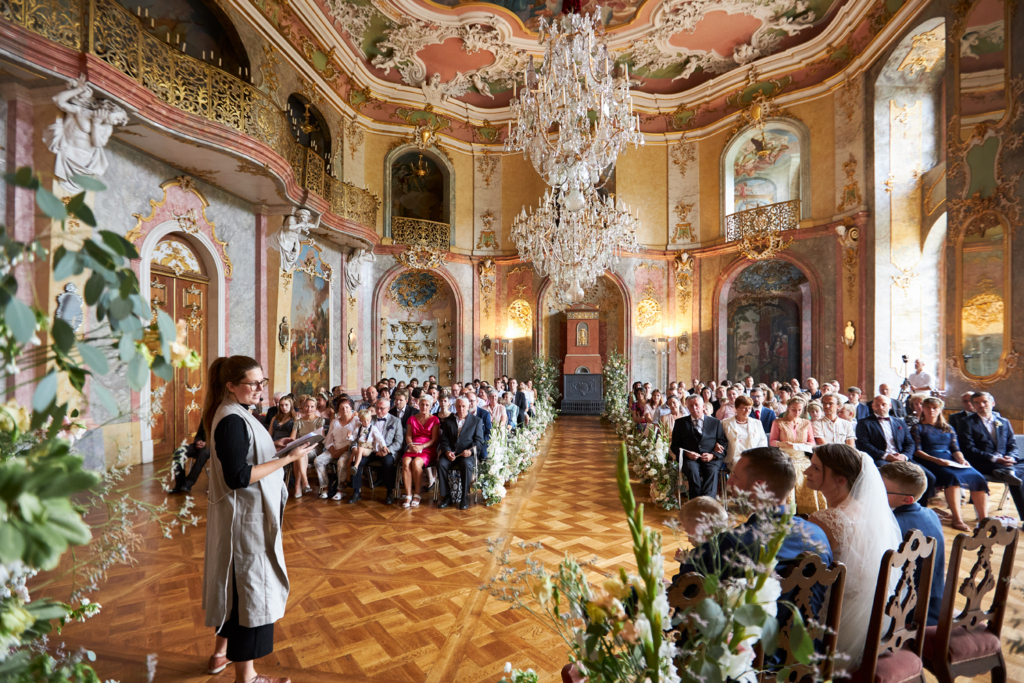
<point>309,128</point>
<point>419,196</point>
<point>769,165</point>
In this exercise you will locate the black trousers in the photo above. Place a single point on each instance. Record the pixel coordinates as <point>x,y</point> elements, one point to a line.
<point>244,643</point>
<point>987,468</point>
<point>388,467</point>
<point>200,455</point>
<point>464,466</point>
<point>701,477</point>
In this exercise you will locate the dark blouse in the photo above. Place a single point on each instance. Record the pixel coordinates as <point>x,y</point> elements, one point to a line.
<point>233,442</point>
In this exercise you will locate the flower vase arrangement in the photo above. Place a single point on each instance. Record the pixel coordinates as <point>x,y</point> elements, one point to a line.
<point>622,630</point>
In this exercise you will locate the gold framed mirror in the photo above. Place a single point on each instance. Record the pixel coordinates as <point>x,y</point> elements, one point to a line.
<point>983,287</point>
<point>980,62</point>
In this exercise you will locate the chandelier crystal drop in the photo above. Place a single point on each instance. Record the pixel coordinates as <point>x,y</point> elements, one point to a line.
<point>575,248</point>
<point>573,117</point>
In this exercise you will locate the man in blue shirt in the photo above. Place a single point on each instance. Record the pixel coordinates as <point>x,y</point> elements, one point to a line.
<point>905,482</point>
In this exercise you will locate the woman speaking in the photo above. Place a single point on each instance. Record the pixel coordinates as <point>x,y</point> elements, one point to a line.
<point>245,584</point>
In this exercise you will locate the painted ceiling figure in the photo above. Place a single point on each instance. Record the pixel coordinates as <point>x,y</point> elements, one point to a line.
<point>78,139</point>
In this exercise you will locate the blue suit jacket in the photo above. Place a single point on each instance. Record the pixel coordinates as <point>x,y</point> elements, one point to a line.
<point>914,516</point>
<point>976,442</point>
<point>767,418</point>
<point>863,410</point>
<point>871,438</point>
<point>485,417</point>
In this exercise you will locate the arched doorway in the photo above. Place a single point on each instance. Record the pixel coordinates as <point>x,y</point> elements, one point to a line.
<point>179,285</point>
<point>764,323</point>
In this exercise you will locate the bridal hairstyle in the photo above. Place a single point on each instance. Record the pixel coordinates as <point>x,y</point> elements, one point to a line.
<point>774,468</point>
<point>223,370</point>
<point>844,461</point>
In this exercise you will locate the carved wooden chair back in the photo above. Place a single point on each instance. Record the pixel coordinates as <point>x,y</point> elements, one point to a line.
<point>799,579</point>
<point>688,591</point>
<point>905,604</point>
<point>974,617</point>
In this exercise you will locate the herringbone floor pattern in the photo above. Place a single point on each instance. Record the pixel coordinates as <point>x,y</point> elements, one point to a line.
<point>385,595</point>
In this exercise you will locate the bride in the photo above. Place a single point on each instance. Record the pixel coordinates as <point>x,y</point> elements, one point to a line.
<point>860,527</point>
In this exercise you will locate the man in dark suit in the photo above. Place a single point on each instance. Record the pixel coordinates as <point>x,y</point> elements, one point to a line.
<point>699,441</point>
<point>758,411</point>
<point>887,439</point>
<point>905,483</point>
<point>476,407</point>
<point>956,420</point>
<point>462,437</point>
<point>403,408</point>
<point>988,443</point>
<point>896,408</point>
<point>394,436</point>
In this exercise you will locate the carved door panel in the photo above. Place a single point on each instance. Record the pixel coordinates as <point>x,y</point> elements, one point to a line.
<point>179,287</point>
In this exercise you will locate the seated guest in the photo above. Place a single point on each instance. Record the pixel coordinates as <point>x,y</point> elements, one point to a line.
<point>699,516</point>
<point>309,421</point>
<point>795,437</point>
<point>462,437</point>
<point>366,440</point>
<point>511,408</point>
<point>369,398</point>
<point>812,389</point>
<point>937,451</point>
<point>282,424</point>
<point>728,408</point>
<point>743,431</point>
<point>988,444</point>
<point>198,451</point>
<point>478,409</point>
<point>499,416</point>
<point>862,410</point>
<point>831,428</point>
<point>658,405</point>
<point>668,421</point>
<point>403,409</point>
<point>913,406</point>
<point>886,438</point>
<point>323,407</point>
<point>699,442</point>
<point>760,411</point>
<point>720,394</point>
<point>905,483</point>
<point>421,439</point>
<point>519,398</point>
<point>643,414</point>
<point>957,418</point>
<point>384,451</point>
<point>896,409</point>
<point>336,449</point>
<point>272,410</point>
<point>846,412</point>
<point>814,411</point>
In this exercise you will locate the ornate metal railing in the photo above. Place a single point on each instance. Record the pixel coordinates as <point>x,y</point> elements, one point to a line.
<point>413,231</point>
<point>769,218</point>
<point>118,38</point>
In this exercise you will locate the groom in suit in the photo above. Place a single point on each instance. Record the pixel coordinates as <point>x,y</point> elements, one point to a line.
<point>462,439</point>
<point>699,441</point>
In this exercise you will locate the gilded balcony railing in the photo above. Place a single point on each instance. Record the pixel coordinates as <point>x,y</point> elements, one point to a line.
<point>413,231</point>
<point>117,37</point>
<point>758,229</point>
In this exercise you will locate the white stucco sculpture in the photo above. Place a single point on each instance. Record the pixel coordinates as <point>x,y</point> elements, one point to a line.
<point>79,137</point>
<point>354,268</point>
<point>288,239</point>
<point>433,90</point>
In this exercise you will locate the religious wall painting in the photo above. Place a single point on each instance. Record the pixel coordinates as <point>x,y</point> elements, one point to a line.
<point>310,322</point>
<point>762,168</point>
<point>751,193</point>
<point>416,290</point>
<point>417,188</point>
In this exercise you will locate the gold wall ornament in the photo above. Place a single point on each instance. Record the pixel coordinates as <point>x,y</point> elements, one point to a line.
<point>354,136</point>
<point>927,51</point>
<point>188,221</point>
<point>518,269</point>
<point>351,302</point>
<point>286,280</point>
<point>267,73</point>
<point>648,310</point>
<point>983,310</point>
<point>488,239</point>
<point>520,314</point>
<point>419,257</point>
<point>488,275</point>
<point>414,231</point>
<point>851,190</point>
<point>849,235</point>
<point>1010,363</point>
<point>683,153</point>
<point>648,266</point>
<point>487,165</point>
<point>683,265</point>
<point>684,228</point>
<point>849,335</point>
<point>758,230</point>
<point>176,256</point>
<point>904,281</point>
<point>284,333</point>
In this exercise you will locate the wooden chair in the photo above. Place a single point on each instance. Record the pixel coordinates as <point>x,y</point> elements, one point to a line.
<point>895,655</point>
<point>968,643</point>
<point>799,579</point>
<point>688,591</point>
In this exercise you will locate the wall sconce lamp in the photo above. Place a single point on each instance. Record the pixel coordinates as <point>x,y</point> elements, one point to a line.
<point>683,344</point>
<point>503,350</point>
<point>485,345</point>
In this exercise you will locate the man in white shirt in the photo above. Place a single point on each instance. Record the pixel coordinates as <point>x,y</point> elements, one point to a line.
<point>339,437</point>
<point>920,381</point>
<point>831,428</point>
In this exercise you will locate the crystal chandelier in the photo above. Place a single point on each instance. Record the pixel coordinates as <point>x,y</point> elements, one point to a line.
<point>574,248</point>
<point>573,117</point>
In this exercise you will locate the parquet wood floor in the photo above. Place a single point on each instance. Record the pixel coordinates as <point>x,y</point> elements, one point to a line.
<point>386,595</point>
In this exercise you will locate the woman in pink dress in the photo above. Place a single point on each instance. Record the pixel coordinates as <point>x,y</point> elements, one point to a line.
<point>421,439</point>
<point>795,436</point>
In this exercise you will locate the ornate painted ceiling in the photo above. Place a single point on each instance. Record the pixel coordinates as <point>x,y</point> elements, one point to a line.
<point>449,66</point>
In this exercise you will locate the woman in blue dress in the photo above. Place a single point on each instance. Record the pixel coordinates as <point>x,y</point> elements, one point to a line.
<point>937,451</point>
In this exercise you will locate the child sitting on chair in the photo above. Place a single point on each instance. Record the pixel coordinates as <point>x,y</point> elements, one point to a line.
<point>701,518</point>
<point>368,438</point>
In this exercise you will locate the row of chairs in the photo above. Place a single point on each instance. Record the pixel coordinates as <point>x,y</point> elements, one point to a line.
<point>900,644</point>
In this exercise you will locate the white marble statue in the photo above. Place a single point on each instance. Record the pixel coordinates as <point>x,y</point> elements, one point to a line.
<point>480,85</point>
<point>78,139</point>
<point>354,268</point>
<point>433,90</point>
<point>288,240</point>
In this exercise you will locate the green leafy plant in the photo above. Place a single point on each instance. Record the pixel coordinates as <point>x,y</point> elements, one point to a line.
<point>44,486</point>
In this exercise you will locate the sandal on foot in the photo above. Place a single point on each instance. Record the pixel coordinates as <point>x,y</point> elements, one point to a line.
<point>406,503</point>
<point>323,494</point>
<point>415,501</point>
<point>338,496</point>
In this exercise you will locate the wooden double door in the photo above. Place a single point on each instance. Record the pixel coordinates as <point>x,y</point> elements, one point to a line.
<point>176,407</point>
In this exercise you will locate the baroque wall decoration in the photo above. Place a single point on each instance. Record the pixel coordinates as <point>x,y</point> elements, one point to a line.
<point>908,278</point>
<point>927,51</point>
<point>851,190</point>
<point>416,290</point>
<point>520,314</point>
<point>310,321</point>
<point>849,235</point>
<point>683,153</point>
<point>684,228</point>
<point>420,257</point>
<point>1010,365</point>
<point>174,255</point>
<point>683,265</point>
<point>645,265</point>
<point>648,310</point>
<point>354,136</point>
<point>518,269</point>
<point>488,239</point>
<point>487,165</point>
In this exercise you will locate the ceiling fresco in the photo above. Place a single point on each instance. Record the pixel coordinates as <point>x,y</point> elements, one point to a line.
<point>462,59</point>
